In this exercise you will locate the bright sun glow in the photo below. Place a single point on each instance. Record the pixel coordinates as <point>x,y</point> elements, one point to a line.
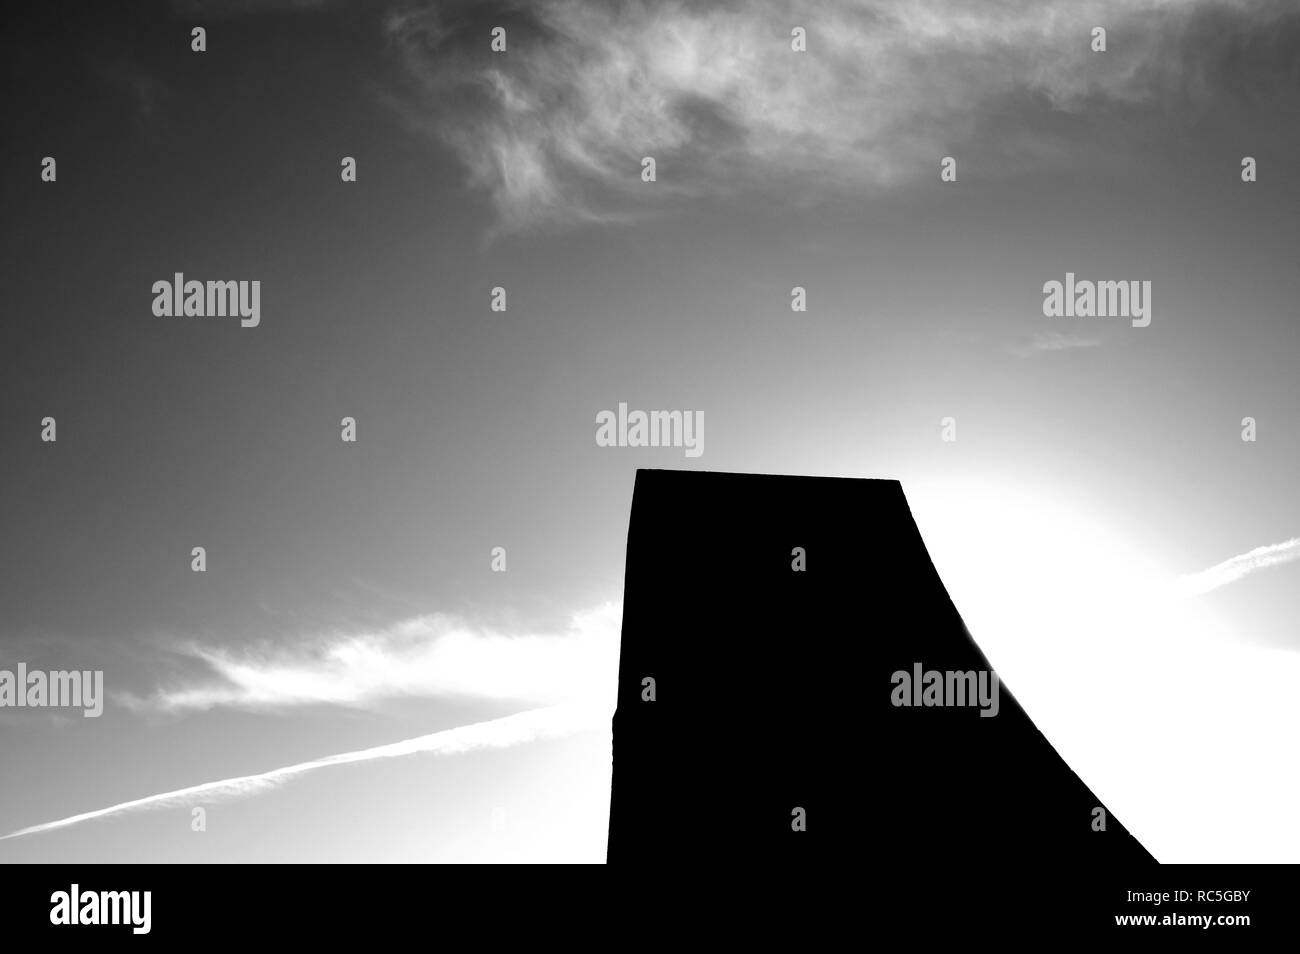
<point>1185,732</point>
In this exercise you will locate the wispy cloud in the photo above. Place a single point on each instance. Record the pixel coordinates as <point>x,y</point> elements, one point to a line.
<point>1044,341</point>
<point>1231,570</point>
<point>530,726</point>
<point>555,127</point>
<point>425,656</point>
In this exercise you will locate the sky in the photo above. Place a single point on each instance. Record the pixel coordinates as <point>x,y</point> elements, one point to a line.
<point>349,601</point>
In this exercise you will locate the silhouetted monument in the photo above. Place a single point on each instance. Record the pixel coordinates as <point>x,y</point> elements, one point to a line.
<point>772,692</point>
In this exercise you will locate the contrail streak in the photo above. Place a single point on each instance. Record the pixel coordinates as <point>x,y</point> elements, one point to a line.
<point>1243,564</point>
<point>528,726</point>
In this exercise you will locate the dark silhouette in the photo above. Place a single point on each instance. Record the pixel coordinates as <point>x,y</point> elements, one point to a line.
<point>773,692</point>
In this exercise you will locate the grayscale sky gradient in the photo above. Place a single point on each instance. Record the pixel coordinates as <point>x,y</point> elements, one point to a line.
<point>349,602</point>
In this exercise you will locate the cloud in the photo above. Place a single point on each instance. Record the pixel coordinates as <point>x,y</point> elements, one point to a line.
<point>1052,341</point>
<point>1233,569</point>
<point>555,127</point>
<point>517,729</point>
<point>425,656</point>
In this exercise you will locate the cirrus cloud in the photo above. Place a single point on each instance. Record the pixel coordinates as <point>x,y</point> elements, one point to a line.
<point>432,656</point>
<point>554,128</point>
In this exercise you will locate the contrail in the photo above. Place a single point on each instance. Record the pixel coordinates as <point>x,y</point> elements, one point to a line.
<point>528,726</point>
<point>1234,568</point>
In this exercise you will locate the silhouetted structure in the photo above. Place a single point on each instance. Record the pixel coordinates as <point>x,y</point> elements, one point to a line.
<point>773,692</point>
